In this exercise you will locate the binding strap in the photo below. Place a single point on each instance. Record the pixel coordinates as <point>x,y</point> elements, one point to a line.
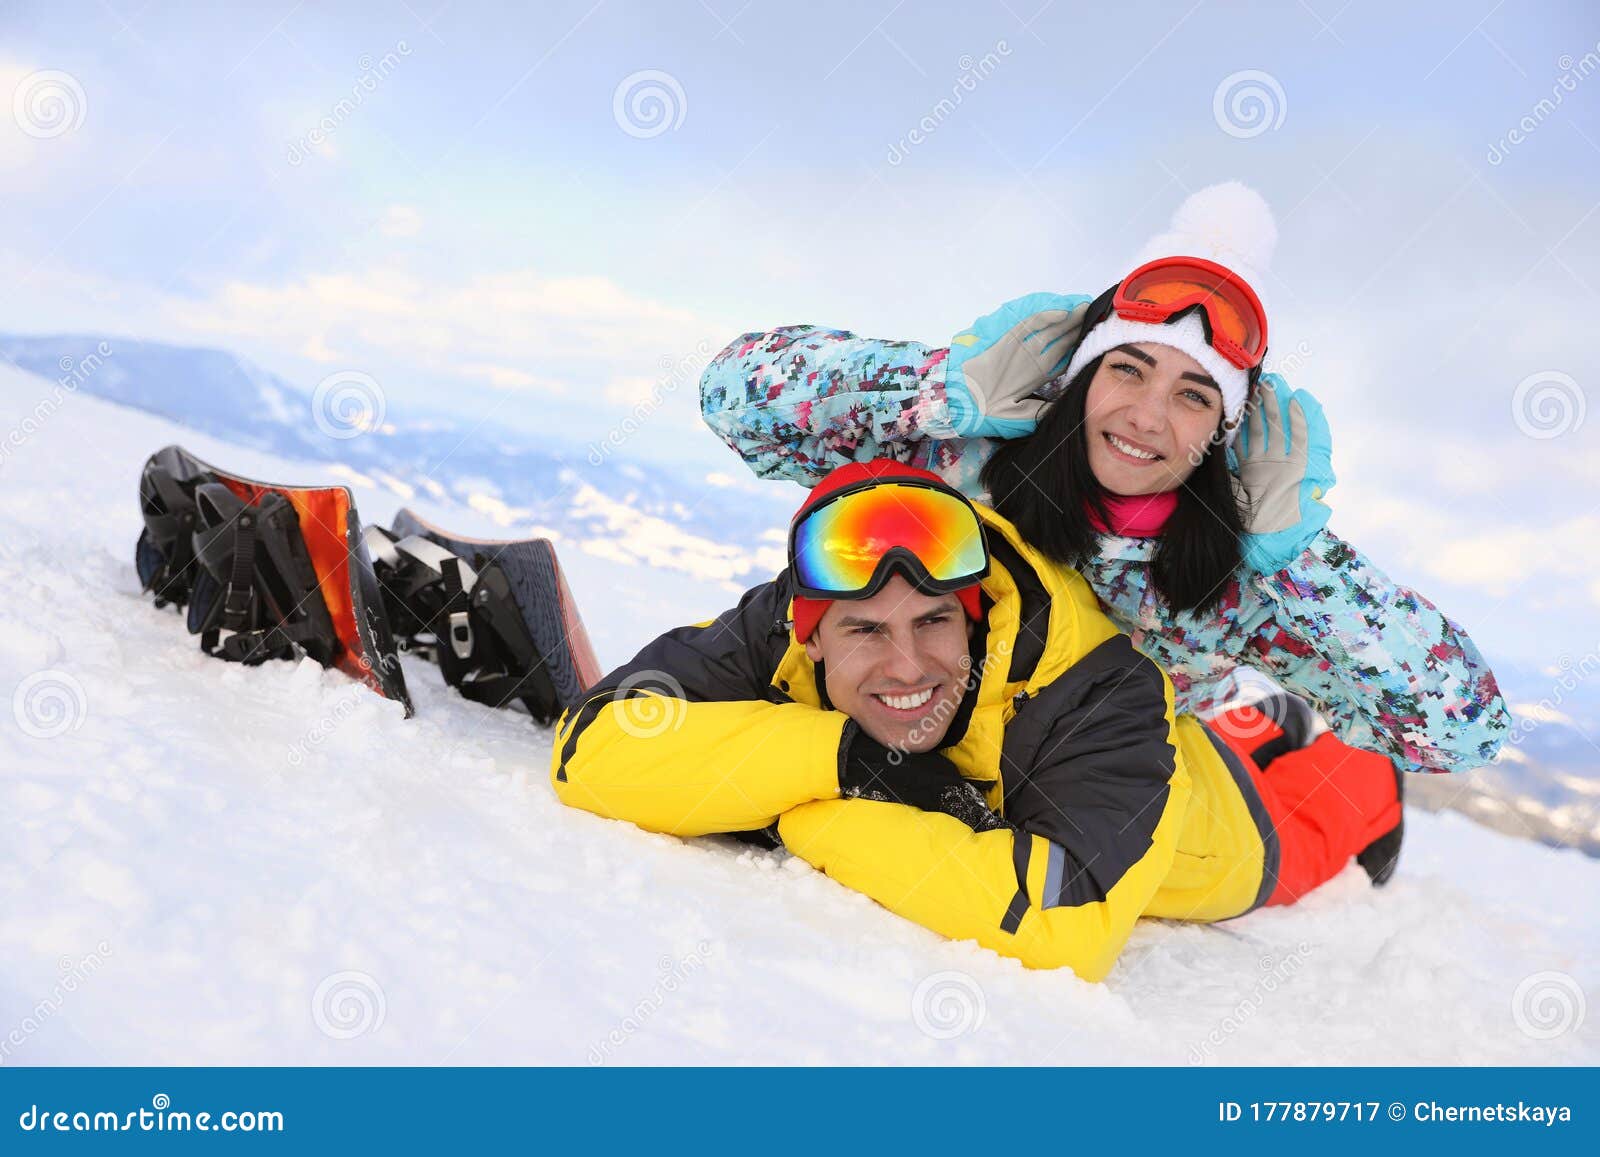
<point>257,583</point>
<point>466,619</point>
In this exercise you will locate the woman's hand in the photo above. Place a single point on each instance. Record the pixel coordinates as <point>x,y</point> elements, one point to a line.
<point>1284,456</point>
<point>997,363</point>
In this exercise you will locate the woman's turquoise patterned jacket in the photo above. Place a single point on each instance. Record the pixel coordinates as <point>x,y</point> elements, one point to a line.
<point>1387,670</point>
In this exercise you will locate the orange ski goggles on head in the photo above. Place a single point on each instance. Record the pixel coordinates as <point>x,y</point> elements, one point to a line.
<point>1235,323</point>
<point>848,545</point>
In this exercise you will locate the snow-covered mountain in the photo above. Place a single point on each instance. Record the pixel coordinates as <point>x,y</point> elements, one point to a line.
<point>512,483</point>
<point>203,863</point>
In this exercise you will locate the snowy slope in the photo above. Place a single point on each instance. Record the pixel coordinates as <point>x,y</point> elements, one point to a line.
<point>201,863</point>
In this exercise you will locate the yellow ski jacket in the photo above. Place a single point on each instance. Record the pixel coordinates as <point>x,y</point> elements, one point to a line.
<point>1113,806</point>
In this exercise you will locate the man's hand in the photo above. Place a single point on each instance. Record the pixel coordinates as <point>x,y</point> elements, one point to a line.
<point>920,779</point>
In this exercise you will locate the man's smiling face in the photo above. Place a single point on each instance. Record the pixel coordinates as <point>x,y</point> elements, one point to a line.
<point>896,663</point>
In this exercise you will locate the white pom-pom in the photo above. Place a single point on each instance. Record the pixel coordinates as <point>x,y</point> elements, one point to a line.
<point>1229,223</point>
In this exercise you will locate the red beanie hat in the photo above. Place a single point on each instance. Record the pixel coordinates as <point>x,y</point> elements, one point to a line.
<point>808,612</point>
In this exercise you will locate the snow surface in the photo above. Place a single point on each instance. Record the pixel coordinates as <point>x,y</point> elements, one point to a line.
<point>206,864</point>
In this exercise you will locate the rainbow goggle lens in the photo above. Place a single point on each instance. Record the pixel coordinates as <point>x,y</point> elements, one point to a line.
<point>847,547</point>
<point>1234,319</point>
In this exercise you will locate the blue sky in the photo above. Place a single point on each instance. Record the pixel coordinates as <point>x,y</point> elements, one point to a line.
<point>484,230</point>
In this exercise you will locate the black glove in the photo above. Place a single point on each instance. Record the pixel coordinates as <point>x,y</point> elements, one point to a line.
<point>920,779</point>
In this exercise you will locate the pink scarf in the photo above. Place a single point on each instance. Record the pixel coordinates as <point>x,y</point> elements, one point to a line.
<point>1136,516</point>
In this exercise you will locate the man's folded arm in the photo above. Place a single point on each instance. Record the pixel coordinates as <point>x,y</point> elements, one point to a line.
<point>1093,814</point>
<point>689,737</point>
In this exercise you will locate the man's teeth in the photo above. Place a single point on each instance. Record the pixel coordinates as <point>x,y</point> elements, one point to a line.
<point>907,702</point>
<point>1133,450</point>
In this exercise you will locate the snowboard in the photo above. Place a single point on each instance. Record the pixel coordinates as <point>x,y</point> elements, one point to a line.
<point>539,588</point>
<point>323,598</point>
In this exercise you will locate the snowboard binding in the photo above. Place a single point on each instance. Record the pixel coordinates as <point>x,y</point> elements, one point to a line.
<point>265,571</point>
<point>164,555</point>
<point>256,596</point>
<point>464,616</point>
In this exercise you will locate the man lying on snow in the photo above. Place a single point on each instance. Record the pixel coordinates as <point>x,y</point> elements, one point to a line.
<point>937,716</point>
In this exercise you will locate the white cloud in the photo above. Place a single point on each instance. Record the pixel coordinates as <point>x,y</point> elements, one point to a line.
<point>633,391</point>
<point>510,378</point>
<point>401,221</point>
<point>489,326</point>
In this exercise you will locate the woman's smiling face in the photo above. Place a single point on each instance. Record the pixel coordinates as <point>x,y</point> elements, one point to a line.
<point>1150,415</point>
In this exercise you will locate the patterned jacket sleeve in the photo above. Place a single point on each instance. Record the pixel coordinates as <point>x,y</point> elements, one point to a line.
<point>1388,669</point>
<point>797,401</point>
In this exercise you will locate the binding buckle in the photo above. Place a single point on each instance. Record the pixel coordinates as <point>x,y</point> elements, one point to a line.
<point>461,634</point>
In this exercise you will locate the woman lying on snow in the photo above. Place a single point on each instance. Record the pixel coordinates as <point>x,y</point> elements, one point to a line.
<point>940,717</point>
<point>1104,430</point>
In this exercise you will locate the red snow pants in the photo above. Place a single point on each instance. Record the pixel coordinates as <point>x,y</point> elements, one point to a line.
<point>1327,800</point>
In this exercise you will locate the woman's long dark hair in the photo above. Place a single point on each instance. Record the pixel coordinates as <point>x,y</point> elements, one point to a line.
<point>1044,486</point>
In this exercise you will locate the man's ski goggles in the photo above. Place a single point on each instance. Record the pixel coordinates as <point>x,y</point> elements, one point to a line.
<point>1236,325</point>
<point>846,547</point>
